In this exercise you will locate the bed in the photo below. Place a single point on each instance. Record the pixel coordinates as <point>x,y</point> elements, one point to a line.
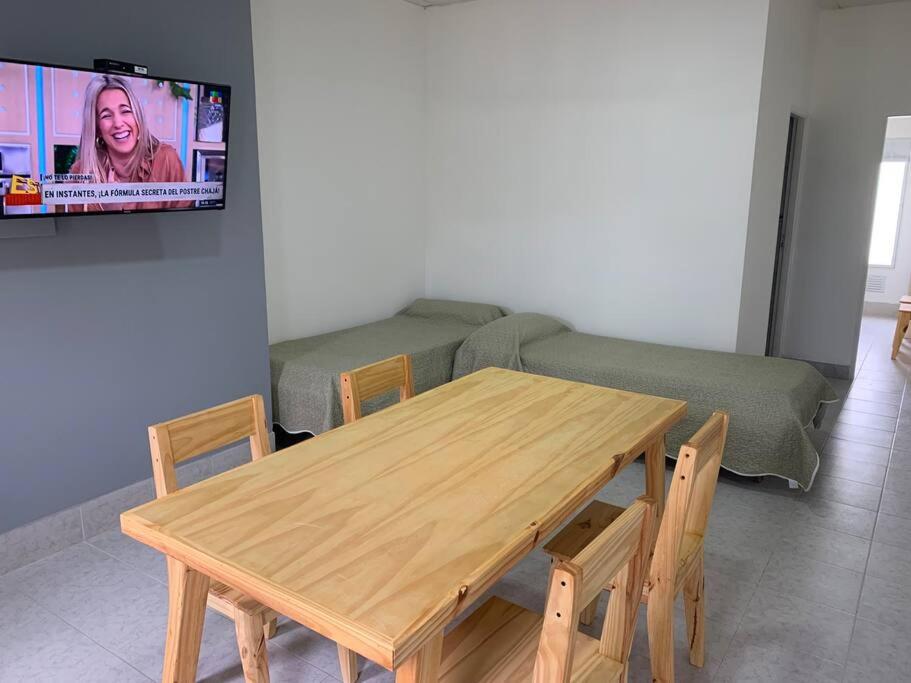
<point>305,372</point>
<point>772,401</point>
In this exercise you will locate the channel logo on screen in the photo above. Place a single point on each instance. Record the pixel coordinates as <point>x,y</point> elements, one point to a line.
<point>23,192</point>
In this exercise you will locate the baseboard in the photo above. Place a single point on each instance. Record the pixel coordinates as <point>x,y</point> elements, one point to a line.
<point>881,309</point>
<point>833,370</point>
<point>46,536</point>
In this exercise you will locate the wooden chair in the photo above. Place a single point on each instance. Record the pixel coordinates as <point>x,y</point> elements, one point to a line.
<point>677,564</point>
<point>191,436</point>
<point>503,642</point>
<point>375,380</point>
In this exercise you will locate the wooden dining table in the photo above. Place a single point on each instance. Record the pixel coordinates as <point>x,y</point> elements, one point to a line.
<point>379,533</point>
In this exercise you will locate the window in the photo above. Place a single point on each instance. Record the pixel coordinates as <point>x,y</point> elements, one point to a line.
<point>889,195</point>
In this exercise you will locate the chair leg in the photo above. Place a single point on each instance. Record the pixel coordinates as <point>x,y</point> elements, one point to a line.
<point>587,615</point>
<point>694,604</point>
<point>270,627</point>
<point>347,659</point>
<point>251,641</point>
<point>661,636</point>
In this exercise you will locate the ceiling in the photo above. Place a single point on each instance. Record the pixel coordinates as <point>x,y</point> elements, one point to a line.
<point>839,4</point>
<point>826,4</point>
<point>434,3</point>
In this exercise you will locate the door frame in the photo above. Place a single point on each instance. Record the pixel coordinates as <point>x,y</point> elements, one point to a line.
<point>784,240</point>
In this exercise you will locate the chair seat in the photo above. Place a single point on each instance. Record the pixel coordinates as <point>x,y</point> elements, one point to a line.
<point>227,600</point>
<point>594,519</point>
<point>498,643</point>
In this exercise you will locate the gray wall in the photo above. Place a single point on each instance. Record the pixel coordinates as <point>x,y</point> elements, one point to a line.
<point>860,78</point>
<point>119,322</point>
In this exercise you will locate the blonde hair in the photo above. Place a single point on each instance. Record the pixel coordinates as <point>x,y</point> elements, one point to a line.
<point>93,157</point>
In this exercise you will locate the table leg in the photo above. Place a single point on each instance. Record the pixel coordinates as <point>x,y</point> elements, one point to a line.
<point>654,475</point>
<point>187,593</point>
<point>901,329</point>
<point>424,665</point>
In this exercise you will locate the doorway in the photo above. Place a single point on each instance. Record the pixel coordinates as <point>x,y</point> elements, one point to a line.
<point>889,259</point>
<point>783,243</point>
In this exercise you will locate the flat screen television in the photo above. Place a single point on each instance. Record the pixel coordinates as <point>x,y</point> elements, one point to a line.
<point>78,142</point>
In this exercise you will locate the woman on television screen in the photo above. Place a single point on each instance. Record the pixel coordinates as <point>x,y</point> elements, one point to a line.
<point>116,145</point>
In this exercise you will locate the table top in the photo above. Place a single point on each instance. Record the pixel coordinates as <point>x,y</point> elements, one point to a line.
<point>376,534</point>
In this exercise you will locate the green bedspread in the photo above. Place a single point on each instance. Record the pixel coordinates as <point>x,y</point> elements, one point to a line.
<point>771,401</point>
<point>305,372</point>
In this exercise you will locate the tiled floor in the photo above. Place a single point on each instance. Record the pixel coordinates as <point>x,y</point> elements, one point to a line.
<point>800,587</point>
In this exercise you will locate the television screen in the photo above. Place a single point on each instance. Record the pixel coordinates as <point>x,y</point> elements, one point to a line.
<point>74,141</point>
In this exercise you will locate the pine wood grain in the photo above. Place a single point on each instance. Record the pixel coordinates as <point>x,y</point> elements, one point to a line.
<point>505,643</point>
<point>378,533</point>
<point>187,591</point>
<point>678,563</point>
<point>251,637</point>
<point>901,327</point>
<point>375,380</point>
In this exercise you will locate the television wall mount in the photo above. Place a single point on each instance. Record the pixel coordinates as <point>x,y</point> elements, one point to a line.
<point>116,67</point>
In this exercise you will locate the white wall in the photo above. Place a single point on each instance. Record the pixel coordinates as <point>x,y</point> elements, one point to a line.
<point>789,50</point>
<point>340,100</point>
<point>860,78</point>
<point>593,160</point>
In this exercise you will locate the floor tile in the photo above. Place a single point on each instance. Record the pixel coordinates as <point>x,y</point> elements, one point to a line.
<point>901,459</point>
<point>220,662</point>
<point>875,437</point>
<point>874,396</point>
<point>45,648</point>
<point>877,455</point>
<point>819,582</point>
<point>830,514</point>
<point>889,381</point>
<point>851,417</point>
<point>728,526</point>
<point>897,503</point>
<point>899,481</point>
<point>135,554</point>
<point>310,647</point>
<point>374,673</point>
<point>886,372</point>
<point>82,582</point>
<point>891,386</point>
<point>893,530</point>
<point>886,602</point>
<point>750,661</point>
<point>861,406</point>
<point>796,625</point>
<point>824,545</point>
<point>717,639</point>
<point>848,492</point>
<point>903,437</point>
<point>729,586</point>
<point>878,653</point>
<point>889,562</point>
<point>854,470</point>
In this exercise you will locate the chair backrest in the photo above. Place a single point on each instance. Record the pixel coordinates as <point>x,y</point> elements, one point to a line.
<point>617,557</point>
<point>375,380</point>
<point>187,437</point>
<point>690,498</point>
